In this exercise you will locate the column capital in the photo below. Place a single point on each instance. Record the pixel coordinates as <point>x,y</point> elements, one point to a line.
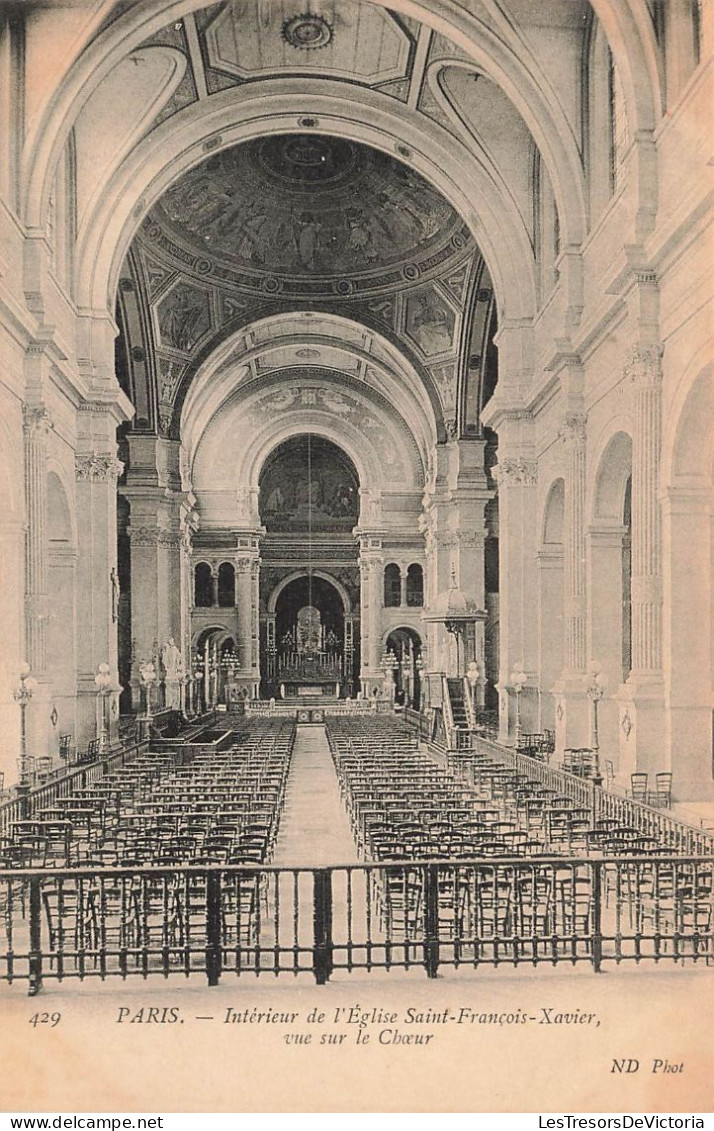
<point>36,420</point>
<point>572,427</point>
<point>644,365</point>
<point>97,467</point>
<point>516,470</point>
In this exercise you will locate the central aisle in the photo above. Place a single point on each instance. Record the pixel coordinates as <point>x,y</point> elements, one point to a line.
<point>314,828</point>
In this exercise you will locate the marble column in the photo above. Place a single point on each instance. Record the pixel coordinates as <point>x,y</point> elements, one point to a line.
<point>572,710</point>
<point>517,479</point>
<point>36,425</point>
<point>371,564</point>
<point>642,696</point>
<point>247,563</point>
<point>96,474</point>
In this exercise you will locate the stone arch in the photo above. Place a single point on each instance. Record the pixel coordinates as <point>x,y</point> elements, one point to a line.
<point>608,575</point>
<point>289,578</point>
<point>688,583</point>
<point>613,467</point>
<point>262,108</point>
<point>212,379</point>
<point>526,87</point>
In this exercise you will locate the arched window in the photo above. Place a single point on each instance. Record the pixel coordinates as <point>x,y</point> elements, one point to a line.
<point>415,585</point>
<point>202,586</point>
<point>606,129</point>
<point>226,585</point>
<point>392,586</point>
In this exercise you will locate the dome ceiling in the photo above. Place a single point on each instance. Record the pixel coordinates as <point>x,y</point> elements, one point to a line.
<point>289,222</point>
<point>303,214</point>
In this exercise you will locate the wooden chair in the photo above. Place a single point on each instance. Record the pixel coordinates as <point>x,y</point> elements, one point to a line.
<point>638,790</point>
<point>661,795</point>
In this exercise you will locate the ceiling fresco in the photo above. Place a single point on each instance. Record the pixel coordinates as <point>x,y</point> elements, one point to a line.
<point>290,220</point>
<point>302,214</point>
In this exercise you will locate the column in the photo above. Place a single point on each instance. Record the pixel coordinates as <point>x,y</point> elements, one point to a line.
<point>371,564</point>
<point>247,563</point>
<point>642,696</point>
<point>646,372</point>
<point>36,424</point>
<point>96,474</point>
<point>572,707</point>
<point>517,479</point>
<point>148,622</point>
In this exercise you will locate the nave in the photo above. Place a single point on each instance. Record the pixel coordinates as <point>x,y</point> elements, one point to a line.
<point>313,850</point>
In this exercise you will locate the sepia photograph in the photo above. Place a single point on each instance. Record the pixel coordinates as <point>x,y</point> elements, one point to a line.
<point>356,558</point>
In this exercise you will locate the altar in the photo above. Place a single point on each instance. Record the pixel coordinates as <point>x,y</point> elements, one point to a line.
<point>310,660</point>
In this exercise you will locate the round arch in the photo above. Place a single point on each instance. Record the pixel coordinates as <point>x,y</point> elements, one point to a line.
<point>207,384</point>
<point>688,582</point>
<point>298,573</point>
<point>613,467</point>
<point>498,58</point>
<point>277,106</point>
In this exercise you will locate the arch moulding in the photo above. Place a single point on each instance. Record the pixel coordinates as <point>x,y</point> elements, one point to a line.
<point>297,573</point>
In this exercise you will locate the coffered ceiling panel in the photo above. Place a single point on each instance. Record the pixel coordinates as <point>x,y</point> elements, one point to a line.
<point>359,42</point>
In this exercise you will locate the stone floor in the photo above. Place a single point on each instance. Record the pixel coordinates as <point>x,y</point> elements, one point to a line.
<point>314,829</point>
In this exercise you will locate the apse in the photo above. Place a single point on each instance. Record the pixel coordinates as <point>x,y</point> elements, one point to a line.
<point>308,480</point>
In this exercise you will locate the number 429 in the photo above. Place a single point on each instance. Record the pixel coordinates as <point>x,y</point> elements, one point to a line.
<point>51,1019</point>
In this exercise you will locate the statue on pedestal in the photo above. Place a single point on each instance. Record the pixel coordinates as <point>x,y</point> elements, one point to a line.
<point>172,660</point>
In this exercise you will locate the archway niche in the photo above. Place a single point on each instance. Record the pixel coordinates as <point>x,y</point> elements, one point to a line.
<point>308,485</point>
<point>406,645</point>
<point>609,588</point>
<point>550,619</point>
<point>688,521</point>
<point>314,648</point>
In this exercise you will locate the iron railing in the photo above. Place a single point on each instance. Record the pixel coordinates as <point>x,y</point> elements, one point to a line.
<point>242,919</point>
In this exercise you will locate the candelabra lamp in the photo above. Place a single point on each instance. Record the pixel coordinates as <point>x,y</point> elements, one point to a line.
<point>518,679</point>
<point>22,696</point>
<point>103,681</point>
<point>596,683</point>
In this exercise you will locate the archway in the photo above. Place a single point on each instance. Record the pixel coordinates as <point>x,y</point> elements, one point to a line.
<point>609,573</point>
<point>310,648</point>
<point>214,662</point>
<point>406,646</point>
<point>688,521</point>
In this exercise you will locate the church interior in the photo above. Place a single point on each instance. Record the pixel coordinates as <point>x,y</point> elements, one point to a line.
<point>356,442</point>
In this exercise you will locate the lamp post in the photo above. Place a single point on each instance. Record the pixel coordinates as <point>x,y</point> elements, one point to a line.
<point>147,673</point>
<point>22,696</point>
<point>518,679</point>
<point>595,691</point>
<point>103,681</point>
<point>388,664</point>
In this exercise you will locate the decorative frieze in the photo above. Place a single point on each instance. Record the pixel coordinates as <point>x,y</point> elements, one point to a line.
<point>97,467</point>
<point>152,536</point>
